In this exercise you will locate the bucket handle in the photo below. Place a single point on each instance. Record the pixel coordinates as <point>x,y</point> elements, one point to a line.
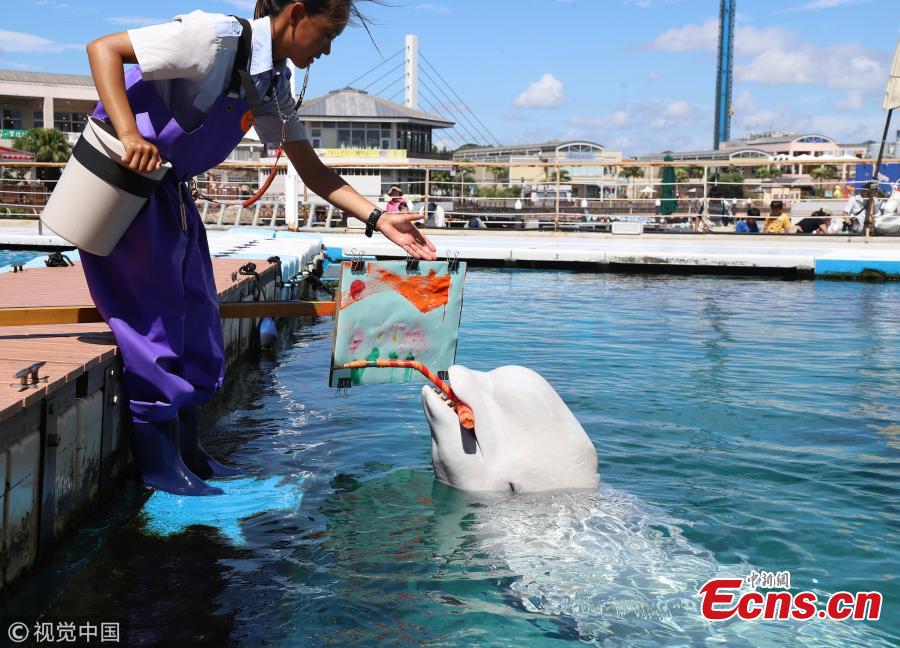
<point>112,172</point>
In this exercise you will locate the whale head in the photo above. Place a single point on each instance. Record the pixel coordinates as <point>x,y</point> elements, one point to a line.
<point>526,439</point>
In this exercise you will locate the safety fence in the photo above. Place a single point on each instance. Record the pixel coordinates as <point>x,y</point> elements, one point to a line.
<point>694,196</point>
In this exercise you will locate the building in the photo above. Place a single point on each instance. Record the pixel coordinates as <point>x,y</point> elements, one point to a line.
<point>371,142</point>
<point>533,167</point>
<point>795,153</point>
<point>44,100</point>
<point>64,102</point>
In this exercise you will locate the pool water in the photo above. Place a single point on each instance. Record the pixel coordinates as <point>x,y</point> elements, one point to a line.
<point>8,257</point>
<point>740,424</point>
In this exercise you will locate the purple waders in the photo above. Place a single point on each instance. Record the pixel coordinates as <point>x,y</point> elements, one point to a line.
<point>156,289</point>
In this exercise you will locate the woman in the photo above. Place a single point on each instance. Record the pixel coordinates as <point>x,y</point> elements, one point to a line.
<point>200,84</point>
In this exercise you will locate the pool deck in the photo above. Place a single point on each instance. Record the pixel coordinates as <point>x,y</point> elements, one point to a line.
<point>794,255</point>
<point>62,442</point>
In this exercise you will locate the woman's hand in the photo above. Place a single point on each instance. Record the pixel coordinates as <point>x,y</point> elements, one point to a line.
<point>399,228</point>
<point>140,155</point>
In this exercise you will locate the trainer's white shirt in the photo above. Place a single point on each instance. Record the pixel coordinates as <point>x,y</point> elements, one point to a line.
<point>190,61</point>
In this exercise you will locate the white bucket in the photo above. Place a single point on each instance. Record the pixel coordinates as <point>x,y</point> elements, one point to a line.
<point>97,196</point>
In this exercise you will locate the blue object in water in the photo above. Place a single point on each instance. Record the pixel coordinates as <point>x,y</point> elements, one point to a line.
<point>268,333</point>
<point>156,452</point>
<point>168,514</point>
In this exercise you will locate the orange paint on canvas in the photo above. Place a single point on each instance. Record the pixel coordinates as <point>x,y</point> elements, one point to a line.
<point>425,293</point>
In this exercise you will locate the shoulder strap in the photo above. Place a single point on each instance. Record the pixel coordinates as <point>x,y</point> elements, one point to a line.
<point>242,58</point>
<point>240,75</point>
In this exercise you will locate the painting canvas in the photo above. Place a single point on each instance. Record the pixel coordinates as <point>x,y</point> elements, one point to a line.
<point>389,311</point>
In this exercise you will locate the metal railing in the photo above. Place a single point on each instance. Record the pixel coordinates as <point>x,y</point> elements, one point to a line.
<point>541,196</point>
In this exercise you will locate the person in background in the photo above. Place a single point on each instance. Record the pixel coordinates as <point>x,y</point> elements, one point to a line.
<point>395,200</point>
<point>778,222</point>
<point>433,214</point>
<point>817,223</point>
<point>854,215</point>
<point>749,224</point>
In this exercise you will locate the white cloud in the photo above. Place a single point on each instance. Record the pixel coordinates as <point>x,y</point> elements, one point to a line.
<point>750,117</point>
<point>779,58</point>
<point>135,21</point>
<point>852,101</point>
<point>847,67</point>
<point>778,67</point>
<point>434,8</point>
<point>11,41</point>
<point>705,37</point>
<point>817,5</point>
<point>648,114</point>
<point>652,76</point>
<point>546,92</point>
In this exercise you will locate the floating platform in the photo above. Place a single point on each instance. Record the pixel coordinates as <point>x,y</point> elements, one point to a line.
<point>761,254</point>
<point>62,441</point>
<point>786,255</point>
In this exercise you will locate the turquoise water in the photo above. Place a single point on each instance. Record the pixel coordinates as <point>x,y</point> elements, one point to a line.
<point>16,256</point>
<point>740,424</point>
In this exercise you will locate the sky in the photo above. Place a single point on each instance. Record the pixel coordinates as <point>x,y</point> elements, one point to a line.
<point>636,76</point>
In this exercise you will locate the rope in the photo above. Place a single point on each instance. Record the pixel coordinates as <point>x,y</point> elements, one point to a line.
<point>466,416</point>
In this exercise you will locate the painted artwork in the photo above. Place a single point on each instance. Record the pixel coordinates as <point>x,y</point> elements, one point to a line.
<point>388,311</point>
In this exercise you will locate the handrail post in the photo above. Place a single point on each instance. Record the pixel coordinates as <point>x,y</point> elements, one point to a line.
<point>556,225</point>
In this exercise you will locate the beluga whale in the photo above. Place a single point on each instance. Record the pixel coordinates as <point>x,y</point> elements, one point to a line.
<point>526,439</point>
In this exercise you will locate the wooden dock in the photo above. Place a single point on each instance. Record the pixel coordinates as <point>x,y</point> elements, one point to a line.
<point>61,441</point>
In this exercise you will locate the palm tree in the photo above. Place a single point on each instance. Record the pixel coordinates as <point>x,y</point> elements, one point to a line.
<point>48,145</point>
<point>631,173</point>
<point>766,173</point>
<point>500,174</point>
<point>563,176</point>
<point>822,174</point>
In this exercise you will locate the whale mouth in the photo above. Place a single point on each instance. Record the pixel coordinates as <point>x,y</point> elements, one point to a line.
<point>442,396</point>
<point>443,419</point>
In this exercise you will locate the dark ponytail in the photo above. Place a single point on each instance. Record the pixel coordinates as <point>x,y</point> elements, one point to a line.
<point>344,10</point>
<point>337,7</point>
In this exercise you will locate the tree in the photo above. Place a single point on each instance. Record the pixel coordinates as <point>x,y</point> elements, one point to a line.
<point>631,173</point>
<point>732,179</point>
<point>767,173</point>
<point>465,177</point>
<point>440,183</point>
<point>823,174</point>
<point>500,173</point>
<point>681,174</point>
<point>497,191</point>
<point>563,176</point>
<point>48,145</point>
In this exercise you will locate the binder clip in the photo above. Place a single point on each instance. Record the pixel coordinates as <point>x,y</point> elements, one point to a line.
<point>343,388</point>
<point>357,264</point>
<point>444,375</point>
<point>412,265</point>
<point>452,262</point>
